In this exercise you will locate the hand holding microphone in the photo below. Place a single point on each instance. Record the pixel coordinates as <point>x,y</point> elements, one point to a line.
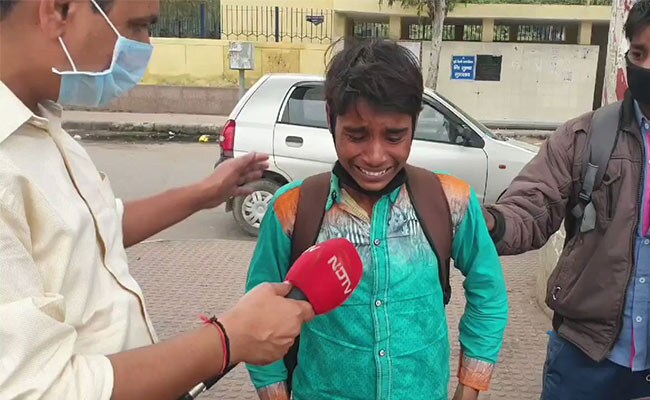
<point>264,325</point>
<point>265,322</point>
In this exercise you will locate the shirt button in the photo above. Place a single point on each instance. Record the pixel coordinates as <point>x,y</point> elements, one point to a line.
<point>377,242</point>
<point>378,303</point>
<point>639,319</point>
<point>382,353</point>
<point>642,280</point>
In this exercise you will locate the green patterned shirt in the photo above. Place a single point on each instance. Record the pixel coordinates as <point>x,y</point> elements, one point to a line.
<point>390,339</point>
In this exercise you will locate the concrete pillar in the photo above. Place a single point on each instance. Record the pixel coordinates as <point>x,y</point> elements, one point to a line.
<point>395,27</point>
<point>514,32</point>
<point>584,36</point>
<point>488,30</point>
<point>459,32</point>
<point>342,26</point>
<point>615,85</point>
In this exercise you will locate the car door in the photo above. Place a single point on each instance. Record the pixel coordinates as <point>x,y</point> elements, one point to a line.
<point>443,143</point>
<point>302,143</point>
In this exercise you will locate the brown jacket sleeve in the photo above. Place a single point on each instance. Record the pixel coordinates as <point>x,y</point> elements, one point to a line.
<point>535,204</point>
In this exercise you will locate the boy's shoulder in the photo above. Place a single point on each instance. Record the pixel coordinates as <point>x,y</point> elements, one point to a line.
<point>285,205</point>
<point>458,193</point>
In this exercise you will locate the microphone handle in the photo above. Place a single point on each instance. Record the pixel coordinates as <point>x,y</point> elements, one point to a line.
<point>294,294</point>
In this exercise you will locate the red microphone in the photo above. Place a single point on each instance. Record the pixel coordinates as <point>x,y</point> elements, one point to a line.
<point>325,275</point>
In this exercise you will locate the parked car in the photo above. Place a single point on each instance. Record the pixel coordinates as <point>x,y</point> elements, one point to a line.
<point>283,115</point>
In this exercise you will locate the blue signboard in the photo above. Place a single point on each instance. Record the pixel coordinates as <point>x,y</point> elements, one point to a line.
<point>315,19</point>
<point>463,68</point>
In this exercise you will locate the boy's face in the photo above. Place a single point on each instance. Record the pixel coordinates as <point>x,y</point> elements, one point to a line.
<point>638,68</point>
<point>373,146</point>
<point>639,53</point>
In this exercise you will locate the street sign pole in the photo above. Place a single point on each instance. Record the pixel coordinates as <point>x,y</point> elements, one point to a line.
<point>242,83</point>
<point>242,59</point>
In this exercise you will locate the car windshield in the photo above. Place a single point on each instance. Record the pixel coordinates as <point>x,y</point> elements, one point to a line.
<point>476,123</point>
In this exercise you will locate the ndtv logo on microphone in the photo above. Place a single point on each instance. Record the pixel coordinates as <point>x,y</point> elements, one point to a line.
<point>341,274</point>
<point>339,270</point>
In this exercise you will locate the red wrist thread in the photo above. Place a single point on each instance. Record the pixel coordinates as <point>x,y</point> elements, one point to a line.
<point>225,341</point>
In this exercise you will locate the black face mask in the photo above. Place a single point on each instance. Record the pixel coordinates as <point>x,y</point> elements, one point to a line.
<point>349,181</point>
<point>638,80</point>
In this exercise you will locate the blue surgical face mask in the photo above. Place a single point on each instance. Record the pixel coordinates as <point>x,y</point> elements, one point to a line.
<point>97,89</point>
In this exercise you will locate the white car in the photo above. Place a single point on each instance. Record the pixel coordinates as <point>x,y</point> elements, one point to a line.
<point>283,115</point>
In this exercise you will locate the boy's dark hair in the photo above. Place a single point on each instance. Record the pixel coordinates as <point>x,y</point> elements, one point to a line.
<point>380,71</point>
<point>7,5</point>
<point>638,19</point>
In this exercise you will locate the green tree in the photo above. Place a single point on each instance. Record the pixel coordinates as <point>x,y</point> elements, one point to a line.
<point>436,11</point>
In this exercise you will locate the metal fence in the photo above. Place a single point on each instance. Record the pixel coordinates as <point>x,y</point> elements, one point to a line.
<point>536,33</point>
<point>188,20</point>
<point>208,19</point>
<point>466,32</point>
<point>370,29</point>
<point>276,24</point>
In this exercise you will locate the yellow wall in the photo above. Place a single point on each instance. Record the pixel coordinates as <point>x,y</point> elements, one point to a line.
<point>205,62</point>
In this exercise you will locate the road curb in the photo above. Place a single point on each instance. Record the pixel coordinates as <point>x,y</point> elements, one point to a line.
<point>115,131</point>
<point>529,135</point>
<point>151,131</point>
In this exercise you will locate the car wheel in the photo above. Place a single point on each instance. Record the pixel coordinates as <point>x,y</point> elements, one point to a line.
<point>249,211</point>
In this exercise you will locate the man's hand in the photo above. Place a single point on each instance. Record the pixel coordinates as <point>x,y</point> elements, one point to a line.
<point>465,393</point>
<point>229,178</point>
<point>263,325</point>
<point>144,218</point>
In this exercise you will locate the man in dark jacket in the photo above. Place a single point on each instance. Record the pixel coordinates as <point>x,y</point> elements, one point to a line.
<point>600,288</point>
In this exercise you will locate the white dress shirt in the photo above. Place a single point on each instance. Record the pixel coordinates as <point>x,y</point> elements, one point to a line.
<point>67,299</point>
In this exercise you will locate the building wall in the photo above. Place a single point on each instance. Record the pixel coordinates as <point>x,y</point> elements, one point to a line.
<point>539,82</point>
<point>205,62</point>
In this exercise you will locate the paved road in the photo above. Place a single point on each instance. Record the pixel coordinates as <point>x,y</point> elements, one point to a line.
<point>138,170</point>
<point>208,276</point>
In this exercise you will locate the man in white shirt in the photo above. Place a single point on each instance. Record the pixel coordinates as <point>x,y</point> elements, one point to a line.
<point>73,321</point>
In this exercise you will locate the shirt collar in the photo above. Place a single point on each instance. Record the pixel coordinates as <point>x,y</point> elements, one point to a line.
<point>641,118</point>
<point>336,196</point>
<point>15,114</point>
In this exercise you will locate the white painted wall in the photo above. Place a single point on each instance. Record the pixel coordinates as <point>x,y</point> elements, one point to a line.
<point>545,83</point>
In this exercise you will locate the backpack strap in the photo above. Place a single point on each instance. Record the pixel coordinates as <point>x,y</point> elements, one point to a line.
<point>432,210</point>
<point>314,192</point>
<point>600,145</point>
